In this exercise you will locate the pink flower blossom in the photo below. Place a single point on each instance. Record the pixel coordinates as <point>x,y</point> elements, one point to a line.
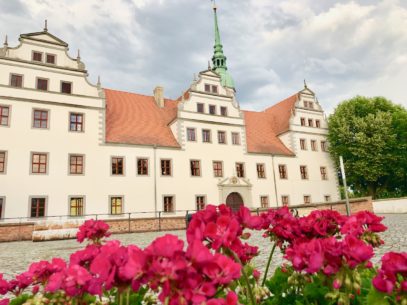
<point>93,230</point>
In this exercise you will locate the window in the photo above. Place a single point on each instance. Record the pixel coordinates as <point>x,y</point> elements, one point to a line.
<point>221,137</point>
<point>200,202</point>
<point>284,200</point>
<point>66,87</point>
<point>235,138</point>
<point>264,202</point>
<point>306,104</point>
<point>166,167</point>
<point>200,108</point>
<point>217,168</point>
<point>311,105</point>
<point>212,109</point>
<point>261,171</point>
<point>191,134</point>
<point>302,121</point>
<point>207,88</point>
<point>37,56</point>
<point>303,171</point>
<point>310,122</point>
<point>116,205</point>
<point>142,166</point>
<point>282,169</point>
<point>4,115</point>
<point>39,163</point>
<point>40,118</point>
<point>323,146</point>
<point>2,162</point>
<point>307,199</point>
<point>42,84</point>
<point>313,145</point>
<point>324,175</point>
<point>240,169</point>
<point>168,204</point>
<point>76,164</point>
<point>37,207</point>
<point>317,123</point>
<point>16,80</point>
<point>76,121</point>
<point>206,135</point>
<point>76,206</point>
<point>327,198</point>
<point>214,89</point>
<point>223,111</point>
<point>117,166</point>
<point>50,59</point>
<point>1,207</point>
<point>195,167</point>
<point>303,144</point>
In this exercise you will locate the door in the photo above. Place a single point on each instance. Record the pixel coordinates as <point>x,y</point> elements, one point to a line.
<point>234,201</point>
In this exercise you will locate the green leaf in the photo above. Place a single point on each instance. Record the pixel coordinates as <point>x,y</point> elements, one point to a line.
<point>376,298</point>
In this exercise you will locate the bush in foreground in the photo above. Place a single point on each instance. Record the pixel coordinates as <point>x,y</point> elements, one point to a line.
<point>327,261</point>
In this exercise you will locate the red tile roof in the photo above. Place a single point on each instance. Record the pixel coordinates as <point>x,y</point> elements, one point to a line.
<point>260,136</point>
<point>280,114</point>
<point>136,119</point>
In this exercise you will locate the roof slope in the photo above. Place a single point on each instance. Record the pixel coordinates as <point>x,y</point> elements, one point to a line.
<point>281,113</point>
<point>260,135</point>
<point>136,119</point>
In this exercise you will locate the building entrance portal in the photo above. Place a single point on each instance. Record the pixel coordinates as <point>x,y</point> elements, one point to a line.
<point>234,201</point>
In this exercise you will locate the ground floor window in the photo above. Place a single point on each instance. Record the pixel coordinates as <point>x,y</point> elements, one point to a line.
<point>327,198</point>
<point>284,200</point>
<point>1,207</point>
<point>307,199</point>
<point>200,202</point>
<point>76,206</point>
<point>116,205</point>
<point>264,201</point>
<point>168,204</point>
<point>38,207</point>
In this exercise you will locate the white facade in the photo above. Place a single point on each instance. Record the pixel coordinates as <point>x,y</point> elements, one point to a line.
<point>20,139</point>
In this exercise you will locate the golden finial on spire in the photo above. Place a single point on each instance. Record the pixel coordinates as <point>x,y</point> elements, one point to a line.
<point>46,25</point>
<point>305,84</point>
<point>214,5</point>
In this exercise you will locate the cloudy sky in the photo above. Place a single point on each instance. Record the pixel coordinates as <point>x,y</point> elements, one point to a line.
<point>342,48</point>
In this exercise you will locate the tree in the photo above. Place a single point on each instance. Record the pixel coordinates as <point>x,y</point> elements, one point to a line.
<point>371,135</point>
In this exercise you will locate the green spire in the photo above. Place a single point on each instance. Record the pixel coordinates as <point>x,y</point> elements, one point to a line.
<point>219,59</point>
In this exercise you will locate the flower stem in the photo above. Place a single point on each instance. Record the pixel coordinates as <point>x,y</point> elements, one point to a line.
<point>268,264</point>
<point>245,277</point>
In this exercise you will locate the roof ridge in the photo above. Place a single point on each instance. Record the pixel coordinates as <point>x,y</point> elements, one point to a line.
<point>139,94</point>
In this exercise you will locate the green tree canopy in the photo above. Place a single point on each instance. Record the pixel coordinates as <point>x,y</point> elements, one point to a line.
<point>371,135</point>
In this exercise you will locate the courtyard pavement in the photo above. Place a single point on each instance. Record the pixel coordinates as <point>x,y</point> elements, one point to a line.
<point>16,256</point>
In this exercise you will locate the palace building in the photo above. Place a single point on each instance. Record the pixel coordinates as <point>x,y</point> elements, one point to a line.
<point>69,147</point>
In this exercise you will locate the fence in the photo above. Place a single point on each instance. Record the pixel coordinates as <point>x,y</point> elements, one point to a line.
<point>65,226</point>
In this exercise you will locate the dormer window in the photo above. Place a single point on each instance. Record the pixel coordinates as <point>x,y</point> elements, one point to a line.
<point>214,89</point>
<point>310,122</point>
<point>211,88</point>
<point>311,105</point>
<point>305,104</point>
<point>66,87</point>
<point>37,56</point>
<point>212,109</point>
<point>317,123</point>
<point>207,88</point>
<point>223,111</point>
<point>50,59</point>
<point>200,107</point>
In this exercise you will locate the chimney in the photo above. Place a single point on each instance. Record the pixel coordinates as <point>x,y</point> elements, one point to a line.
<point>159,96</point>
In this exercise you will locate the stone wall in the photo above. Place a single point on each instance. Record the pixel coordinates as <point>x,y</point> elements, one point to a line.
<point>24,231</point>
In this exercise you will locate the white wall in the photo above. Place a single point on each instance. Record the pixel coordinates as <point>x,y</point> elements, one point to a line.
<point>391,206</point>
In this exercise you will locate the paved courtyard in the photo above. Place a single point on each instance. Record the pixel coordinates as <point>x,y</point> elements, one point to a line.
<point>16,256</point>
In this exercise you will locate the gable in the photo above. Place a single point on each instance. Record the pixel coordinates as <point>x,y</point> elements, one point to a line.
<point>44,37</point>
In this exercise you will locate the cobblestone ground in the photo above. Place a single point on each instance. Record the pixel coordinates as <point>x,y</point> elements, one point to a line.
<point>16,256</point>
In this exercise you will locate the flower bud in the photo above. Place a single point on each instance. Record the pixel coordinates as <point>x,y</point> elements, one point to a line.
<point>337,284</point>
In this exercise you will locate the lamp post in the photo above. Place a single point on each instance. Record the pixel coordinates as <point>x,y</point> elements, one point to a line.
<point>344,185</point>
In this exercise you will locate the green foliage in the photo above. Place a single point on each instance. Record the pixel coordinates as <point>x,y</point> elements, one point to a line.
<point>20,299</point>
<point>371,135</point>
